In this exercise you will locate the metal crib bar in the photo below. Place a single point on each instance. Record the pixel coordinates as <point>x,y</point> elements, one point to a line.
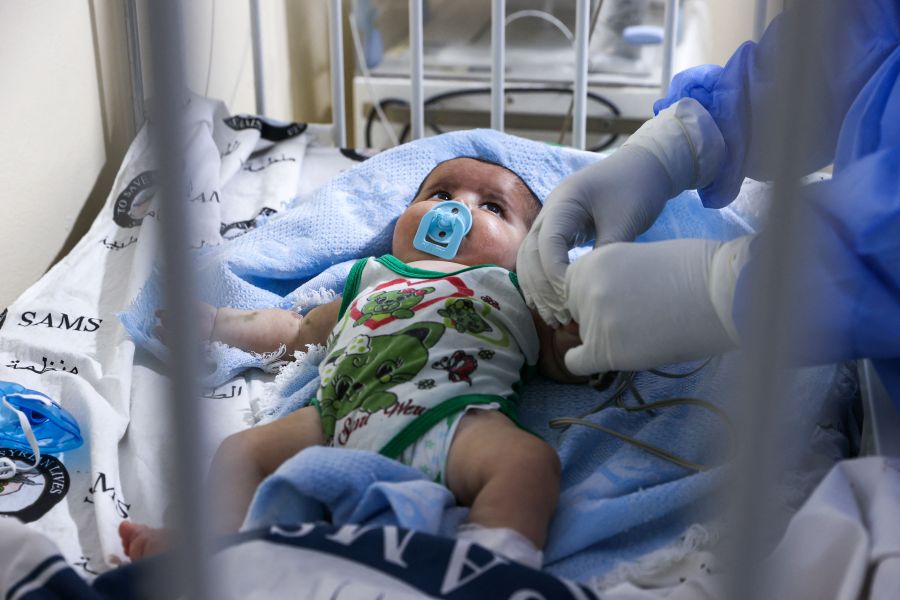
<point>417,96</point>
<point>259,75</point>
<point>669,43</point>
<point>189,565</point>
<point>882,420</point>
<point>771,332</point>
<point>134,60</point>
<point>579,119</point>
<point>759,18</point>
<point>338,110</point>
<point>498,63</point>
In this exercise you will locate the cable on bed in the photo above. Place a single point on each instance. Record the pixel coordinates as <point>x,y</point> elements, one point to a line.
<point>626,384</point>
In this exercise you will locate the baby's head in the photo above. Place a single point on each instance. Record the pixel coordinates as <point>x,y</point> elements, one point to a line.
<point>503,209</point>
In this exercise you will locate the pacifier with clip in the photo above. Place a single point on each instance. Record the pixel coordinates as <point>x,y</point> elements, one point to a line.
<point>443,228</point>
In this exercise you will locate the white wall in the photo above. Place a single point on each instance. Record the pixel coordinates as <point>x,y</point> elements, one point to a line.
<point>731,24</point>
<point>56,136</point>
<point>66,113</point>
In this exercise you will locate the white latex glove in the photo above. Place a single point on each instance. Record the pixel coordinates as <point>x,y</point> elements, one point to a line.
<point>617,198</point>
<point>639,306</point>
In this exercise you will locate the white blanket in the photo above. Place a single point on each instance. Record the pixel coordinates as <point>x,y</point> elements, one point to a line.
<point>62,337</point>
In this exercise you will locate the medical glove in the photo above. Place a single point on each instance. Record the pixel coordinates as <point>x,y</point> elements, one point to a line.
<point>617,199</point>
<point>639,306</point>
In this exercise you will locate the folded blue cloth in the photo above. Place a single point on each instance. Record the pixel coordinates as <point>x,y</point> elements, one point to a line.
<point>356,487</point>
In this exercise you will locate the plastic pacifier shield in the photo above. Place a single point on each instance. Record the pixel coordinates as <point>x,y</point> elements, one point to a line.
<point>54,427</point>
<point>443,228</point>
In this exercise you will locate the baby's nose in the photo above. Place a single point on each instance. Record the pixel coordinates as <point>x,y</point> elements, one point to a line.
<point>470,200</point>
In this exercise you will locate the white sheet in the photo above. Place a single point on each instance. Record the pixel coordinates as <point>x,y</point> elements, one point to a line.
<point>68,320</point>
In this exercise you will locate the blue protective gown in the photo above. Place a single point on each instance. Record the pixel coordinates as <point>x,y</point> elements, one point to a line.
<point>848,296</point>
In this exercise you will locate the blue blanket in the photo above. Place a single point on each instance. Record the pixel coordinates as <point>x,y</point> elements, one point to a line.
<point>618,502</point>
<point>301,257</point>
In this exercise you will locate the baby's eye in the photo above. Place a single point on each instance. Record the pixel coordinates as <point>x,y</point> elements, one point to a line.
<point>493,207</point>
<point>441,196</point>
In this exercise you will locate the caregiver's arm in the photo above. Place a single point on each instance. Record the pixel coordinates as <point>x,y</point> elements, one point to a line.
<point>266,330</point>
<point>617,199</point>
<point>845,300</point>
<point>852,40</point>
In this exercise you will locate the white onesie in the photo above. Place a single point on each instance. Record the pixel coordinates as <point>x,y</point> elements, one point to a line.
<point>413,349</point>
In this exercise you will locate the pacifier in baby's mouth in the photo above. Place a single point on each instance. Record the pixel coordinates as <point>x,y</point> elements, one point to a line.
<point>442,229</point>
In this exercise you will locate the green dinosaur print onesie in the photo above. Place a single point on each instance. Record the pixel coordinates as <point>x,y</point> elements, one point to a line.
<point>414,347</point>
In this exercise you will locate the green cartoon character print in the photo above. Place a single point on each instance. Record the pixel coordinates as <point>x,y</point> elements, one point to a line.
<point>462,316</point>
<point>360,375</point>
<point>392,303</point>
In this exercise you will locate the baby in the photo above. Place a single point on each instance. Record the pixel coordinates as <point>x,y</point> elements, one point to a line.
<point>425,359</point>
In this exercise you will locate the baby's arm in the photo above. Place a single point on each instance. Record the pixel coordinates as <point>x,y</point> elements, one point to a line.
<point>265,330</point>
<point>554,344</point>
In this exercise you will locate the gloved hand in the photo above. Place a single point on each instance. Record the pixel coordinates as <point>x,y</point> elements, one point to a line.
<point>617,199</point>
<point>639,306</point>
<point>697,82</point>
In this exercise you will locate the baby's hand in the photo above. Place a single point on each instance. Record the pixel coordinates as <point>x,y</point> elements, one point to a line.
<point>204,320</point>
<point>566,337</point>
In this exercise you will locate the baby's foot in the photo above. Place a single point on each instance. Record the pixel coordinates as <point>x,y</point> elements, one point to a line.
<point>140,541</point>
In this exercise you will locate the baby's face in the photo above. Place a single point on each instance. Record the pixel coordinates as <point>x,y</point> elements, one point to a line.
<point>502,212</point>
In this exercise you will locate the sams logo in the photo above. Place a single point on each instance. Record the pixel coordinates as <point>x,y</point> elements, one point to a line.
<point>267,130</point>
<point>233,230</point>
<point>30,494</point>
<point>133,204</point>
<point>59,321</point>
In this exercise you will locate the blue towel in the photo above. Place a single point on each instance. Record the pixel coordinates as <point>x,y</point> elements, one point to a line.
<point>301,257</point>
<point>617,502</point>
<point>357,487</point>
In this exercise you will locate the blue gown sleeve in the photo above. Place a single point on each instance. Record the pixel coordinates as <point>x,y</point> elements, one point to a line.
<point>853,39</point>
<point>846,299</point>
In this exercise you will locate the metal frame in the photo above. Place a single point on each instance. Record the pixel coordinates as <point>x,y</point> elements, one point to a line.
<point>498,54</point>
<point>336,44</point>
<point>134,61</point>
<point>882,421</point>
<point>416,76</point>
<point>760,18</point>
<point>416,33</point>
<point>582,35</point>
<point>188,564</point>
<point>259,72</point>
<point>670,38</point>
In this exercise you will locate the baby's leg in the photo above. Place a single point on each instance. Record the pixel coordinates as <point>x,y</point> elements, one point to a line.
<point>247,457</point>
<point>509,477</point>
<point>242,461</point>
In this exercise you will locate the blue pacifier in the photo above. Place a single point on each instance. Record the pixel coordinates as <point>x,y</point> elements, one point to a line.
<point>442,229</point>
<point>32,421</point>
